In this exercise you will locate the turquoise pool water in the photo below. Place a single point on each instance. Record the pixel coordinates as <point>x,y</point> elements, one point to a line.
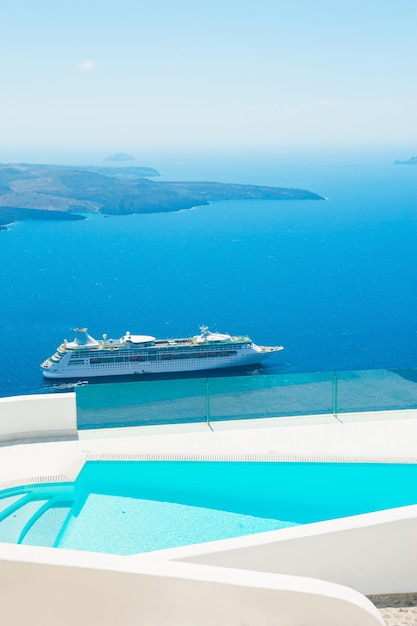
<point>147,525</point>
<point>139,506</point>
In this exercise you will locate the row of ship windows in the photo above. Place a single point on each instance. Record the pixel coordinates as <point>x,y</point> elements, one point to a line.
<point>153,357</point>
<point>196,350</point>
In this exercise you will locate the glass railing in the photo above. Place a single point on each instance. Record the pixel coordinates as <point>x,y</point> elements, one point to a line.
<point>212,399</point>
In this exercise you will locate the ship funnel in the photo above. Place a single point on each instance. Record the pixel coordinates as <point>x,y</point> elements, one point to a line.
<point>82,338</point>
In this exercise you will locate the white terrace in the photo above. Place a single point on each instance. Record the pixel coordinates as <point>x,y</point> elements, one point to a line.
<point>316,574</point>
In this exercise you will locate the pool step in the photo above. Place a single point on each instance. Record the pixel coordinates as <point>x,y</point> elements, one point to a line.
<point>8,503</point>
<point>17,517</point>
<point>45,528</point>
<point>34,516</point>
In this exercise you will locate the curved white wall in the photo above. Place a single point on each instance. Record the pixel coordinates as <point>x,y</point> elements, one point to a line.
<point>66,588</point>
<point>38,416</point>
<point>374,553</point>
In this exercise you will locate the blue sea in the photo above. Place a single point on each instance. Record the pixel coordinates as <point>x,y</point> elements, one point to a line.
<point>334,281</point>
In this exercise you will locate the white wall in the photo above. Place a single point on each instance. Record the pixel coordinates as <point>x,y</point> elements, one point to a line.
<point>375,553</point>
<point>66,588</point>
<point>38,416</point>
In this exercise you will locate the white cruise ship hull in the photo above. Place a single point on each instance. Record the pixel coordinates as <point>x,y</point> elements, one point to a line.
<point>142,354</point>
<point>156,367</point>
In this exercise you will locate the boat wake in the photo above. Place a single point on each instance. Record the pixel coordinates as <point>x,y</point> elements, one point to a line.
<point>69,385</point>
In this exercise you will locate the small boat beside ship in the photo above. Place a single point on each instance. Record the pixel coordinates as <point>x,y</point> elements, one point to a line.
<point>86,357</point>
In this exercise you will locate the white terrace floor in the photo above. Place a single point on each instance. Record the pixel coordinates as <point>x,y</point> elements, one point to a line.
<point>356,437</point>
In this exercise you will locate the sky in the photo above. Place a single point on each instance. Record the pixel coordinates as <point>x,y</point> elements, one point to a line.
<point>98,77</point>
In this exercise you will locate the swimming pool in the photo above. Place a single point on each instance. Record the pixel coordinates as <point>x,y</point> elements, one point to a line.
<point>127,507</point>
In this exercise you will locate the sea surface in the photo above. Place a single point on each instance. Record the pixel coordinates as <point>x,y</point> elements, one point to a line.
<point>334,281</point>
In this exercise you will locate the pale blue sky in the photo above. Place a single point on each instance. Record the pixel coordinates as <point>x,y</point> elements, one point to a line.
<point>154,75</point>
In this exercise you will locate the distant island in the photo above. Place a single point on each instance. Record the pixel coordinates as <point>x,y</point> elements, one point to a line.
<point>410,161</point>
<point>120,156</point>
<point>64,192</point>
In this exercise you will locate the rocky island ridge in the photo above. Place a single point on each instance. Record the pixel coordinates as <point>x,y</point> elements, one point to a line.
<point>38,191</point>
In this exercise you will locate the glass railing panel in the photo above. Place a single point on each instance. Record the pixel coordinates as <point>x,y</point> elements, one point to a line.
<point>141,403</point>
<point>376,390</point>
<point>252,397</point>
<point>243,397</point>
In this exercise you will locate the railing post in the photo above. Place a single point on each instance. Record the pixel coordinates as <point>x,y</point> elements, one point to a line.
<point>335,390</point>
<point>208,402</point>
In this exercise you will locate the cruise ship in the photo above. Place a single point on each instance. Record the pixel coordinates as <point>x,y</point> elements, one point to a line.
<point>85,357</point>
